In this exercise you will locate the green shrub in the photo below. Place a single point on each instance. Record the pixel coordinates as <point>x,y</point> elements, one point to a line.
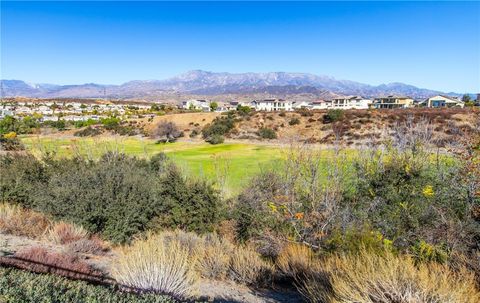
<point>425,252</point>
<point>194,133</point>
<point>10,142</point>
<point>244,110</point>
<point>267,133</point>
<point>89,122</point>
<point>17,286</point>
<point>88,132</point>
<point>60,124</point>
<point>220,126</point>
<point>116,196</point>
<point>294,121</point>
<point>215,139</point>
<point>333,115</point>
<point>20,126</point>
<point>110,123</point>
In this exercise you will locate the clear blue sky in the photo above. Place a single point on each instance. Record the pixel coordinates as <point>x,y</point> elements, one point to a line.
<point>428,44</point>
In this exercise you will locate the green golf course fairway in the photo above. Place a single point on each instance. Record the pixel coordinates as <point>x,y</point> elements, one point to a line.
<point>230,164</point>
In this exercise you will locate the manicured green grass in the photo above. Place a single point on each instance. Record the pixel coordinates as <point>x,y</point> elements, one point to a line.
<point>230,164</point>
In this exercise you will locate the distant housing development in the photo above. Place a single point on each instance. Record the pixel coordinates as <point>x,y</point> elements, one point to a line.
<point>77,110</point>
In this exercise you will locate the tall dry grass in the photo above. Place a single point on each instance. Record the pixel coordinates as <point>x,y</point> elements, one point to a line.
<point>65,233</point>
<point>295,259</point>
<point>373,278</point>
<point>19,221</point>
<point>247,267</point>
<point>158,263</point>
<point>214,262</point>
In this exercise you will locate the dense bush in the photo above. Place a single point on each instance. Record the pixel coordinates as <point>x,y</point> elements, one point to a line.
<point>294,121</point>
<point>110,123</point>
<point>89,122</point>
<point>398,197</point>
<point>59,124</point>
<point>333,115</point>
<point>10,142</point>
<point>244,110</point>
<point>17,286</point>
<point>220,126</point>
<point>19,126</point>
<point>88,132</point>
<point>117,196</point>
<point>215,139</point>
<point>267,133</point>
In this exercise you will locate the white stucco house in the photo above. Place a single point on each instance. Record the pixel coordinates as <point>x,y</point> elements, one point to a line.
<point>302,104</point>
<point>272,105</point>
<point>442,101</point>
<point>321,104</point>
<point>351,102</point>
<point>197,104</point>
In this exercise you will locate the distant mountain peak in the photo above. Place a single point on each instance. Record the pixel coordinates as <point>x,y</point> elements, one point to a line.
<point>212,83</point>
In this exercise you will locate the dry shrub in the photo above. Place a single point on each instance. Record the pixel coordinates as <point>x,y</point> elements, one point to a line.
<point>215,260</point>
<point>18,221</point>
<point>295,259</point>
<point>227,230</point>
<point>158,263</point>
<point>246,266</point>
<point>39,259</point>
<point>64,233</point>
<point>373,278</point>
<point>94,246</point>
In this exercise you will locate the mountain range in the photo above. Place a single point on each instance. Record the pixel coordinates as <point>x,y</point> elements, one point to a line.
<point>198,82</point>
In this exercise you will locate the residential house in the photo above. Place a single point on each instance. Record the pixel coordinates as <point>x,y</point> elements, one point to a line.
<point>321,104</point>
<point>196,104</point>
<point>302,105</point>
<point>49,118</point>
<point>272,105</point>
<point>393,102</point>
<point>351,102</point>
<point>442,101</point>
<point>5,112</point>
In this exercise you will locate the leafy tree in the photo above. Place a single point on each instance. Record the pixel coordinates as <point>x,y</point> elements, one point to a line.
<point>213,106</point>
<point>167,132</point>
<point>244,110</point>
<point>110,123</point>
<point>466,98</point>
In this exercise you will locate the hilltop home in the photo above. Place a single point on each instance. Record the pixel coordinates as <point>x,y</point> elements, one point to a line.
<point>442,101</point>
<point>321,104</point>
<point>198,104</point>
<point>393,102</point>
<point>272,105</point>
<point>302,105</point>
<point>351,102</point>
